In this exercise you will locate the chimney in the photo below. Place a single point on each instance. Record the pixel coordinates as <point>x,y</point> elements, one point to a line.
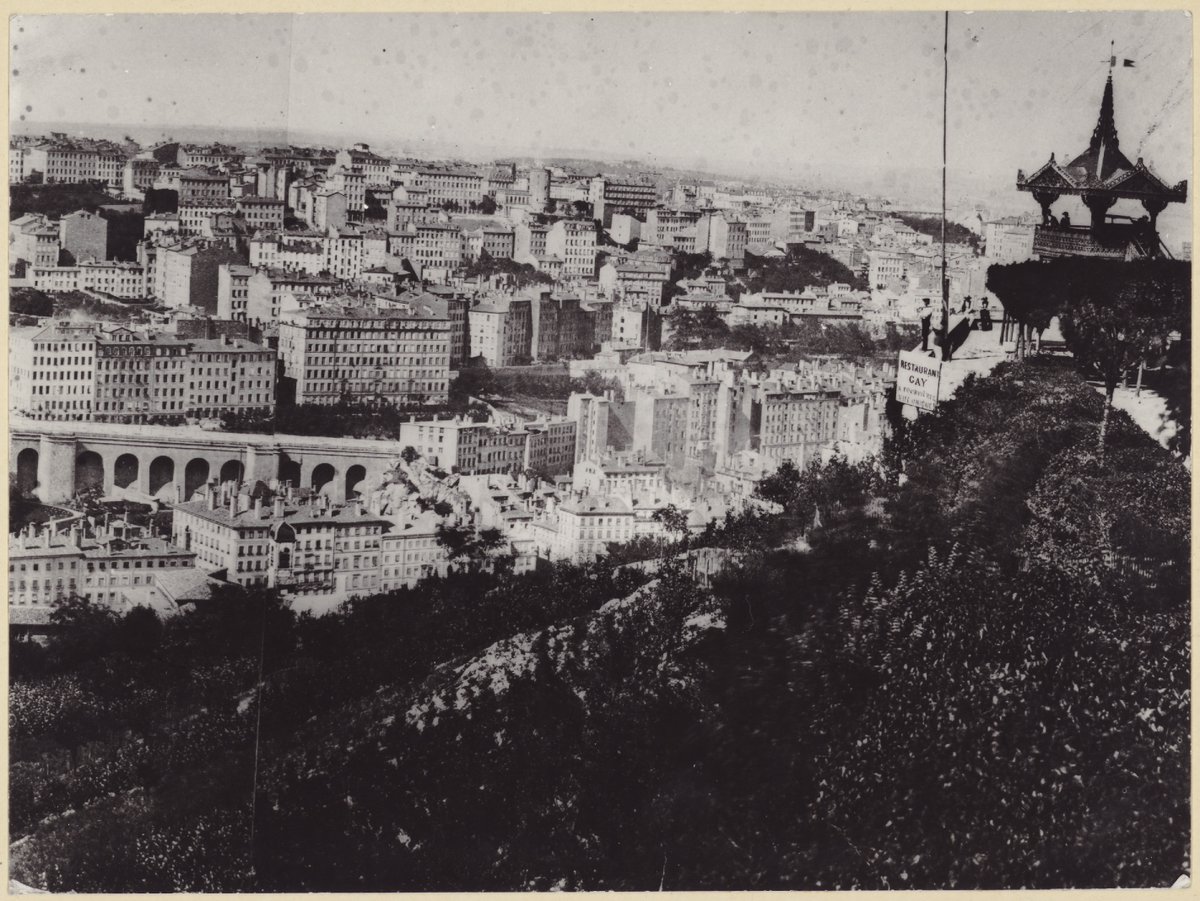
<point>243,503</point>
<point>277,508</point>
<point>46,537</point>
<point>258,507</point>
<point>233,504</point>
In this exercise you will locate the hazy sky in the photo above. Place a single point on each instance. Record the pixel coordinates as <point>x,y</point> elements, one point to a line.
<point>787,93</point>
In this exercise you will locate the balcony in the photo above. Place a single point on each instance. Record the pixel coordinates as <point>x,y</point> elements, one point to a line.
<point>1113,242</point>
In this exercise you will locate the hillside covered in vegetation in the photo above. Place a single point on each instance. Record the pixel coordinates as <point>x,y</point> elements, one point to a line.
<point>975,676</point>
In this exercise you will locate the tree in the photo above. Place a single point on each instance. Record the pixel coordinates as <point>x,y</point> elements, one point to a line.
<point>1032,293</point>
<point>802,267</point>
<point>487,206</point>
<point>19,505</point>
<point>473,550</point>
<point>674,520</point>
<point>409,454</point>
<point>1119,315</point>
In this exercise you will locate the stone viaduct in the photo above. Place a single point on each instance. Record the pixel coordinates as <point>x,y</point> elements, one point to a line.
<point>58,459</point>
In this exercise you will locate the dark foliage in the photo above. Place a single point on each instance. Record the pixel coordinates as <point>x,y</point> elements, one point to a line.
<point>932,226</point>
<point>802,267</point>
<point>976,676</point>
<point>57,200</point>
<point>483,381</point>
<point>30,302</point>
<point>516,275</point>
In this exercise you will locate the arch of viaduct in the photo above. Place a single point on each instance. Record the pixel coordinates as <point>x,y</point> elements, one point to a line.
<point>57,459</point>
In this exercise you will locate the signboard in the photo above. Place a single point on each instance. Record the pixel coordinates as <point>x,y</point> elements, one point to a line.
<point>918,377</point>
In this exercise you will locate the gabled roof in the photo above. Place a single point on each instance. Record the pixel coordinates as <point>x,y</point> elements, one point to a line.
<point>1102,166</point>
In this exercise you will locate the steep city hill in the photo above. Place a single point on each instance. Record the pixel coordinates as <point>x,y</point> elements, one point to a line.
<point>983,635</point>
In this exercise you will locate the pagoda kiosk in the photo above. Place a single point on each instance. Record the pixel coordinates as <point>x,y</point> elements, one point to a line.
<point>1100,176</point>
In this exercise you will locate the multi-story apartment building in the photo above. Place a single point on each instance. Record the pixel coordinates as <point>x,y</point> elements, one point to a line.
<point>293,252</point>
<point>574,242</point>
<point>84,236</point>
<point>1008,240</point>
<point>52,371</point>
<point>662,225</point>
<point>361,159</point>
<point>587,525</point>
<point>139,376</point>
<point>625,476</point>
<point>311,549</point>
<point>63,160</point>
<point>636,325</point>
<point>346,351</point>
<point>495,240</point>
<point>49,567</point>
<point>799,413</point>
<point>565,326</point>
<point>643,281</point>
<point>208,155</point>
<point>529,242</point>
<point>113,278</point>
<point>722,236</point>
<point>197,186</point>
<point>195,216</point>
<point>547,446</point>
<point>34,239</point>
<point>351,184</point>
<point>591,414</point>
<point>411,552</point>
<point>86,372</point>
<point>260,213</point>
<point>137,177</point>
<point>344,253</point>
<point>461,186</point>
<point>885,266</point>
<point>188,274</point>
<point>454,304</point>
<point>501,330</point>
<point>266,289</point>
<point>758,230</point>
<point>16,163</point>
<point>227,374</point>
<point>608,196</point>
<point>233,290</point>
<point>437,246</point>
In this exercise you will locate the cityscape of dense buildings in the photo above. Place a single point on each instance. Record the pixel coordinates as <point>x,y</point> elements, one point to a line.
<point>274,277</point>
<point>680,497</point>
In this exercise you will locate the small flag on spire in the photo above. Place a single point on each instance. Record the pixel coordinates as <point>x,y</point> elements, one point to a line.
<point>1129,64</point>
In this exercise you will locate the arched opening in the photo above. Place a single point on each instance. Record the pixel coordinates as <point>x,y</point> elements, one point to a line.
<point>89,471</point>
<point>162,474</point>
<point>289,471</point>
<point>354,477</point>
<point>27,467</point>
<point>285,537</point>
<point>125,473</point>
<point>322,476</point>
<point>195,474</point>
<point>232,471</point>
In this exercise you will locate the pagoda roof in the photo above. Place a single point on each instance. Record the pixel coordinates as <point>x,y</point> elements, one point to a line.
<point>1102,168</point>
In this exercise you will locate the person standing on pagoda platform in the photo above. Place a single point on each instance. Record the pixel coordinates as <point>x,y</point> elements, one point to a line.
<point>1066,219</point>
<point>985,316</point>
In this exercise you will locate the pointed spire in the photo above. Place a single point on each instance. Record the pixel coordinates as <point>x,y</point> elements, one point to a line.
<point>1106,127</point>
